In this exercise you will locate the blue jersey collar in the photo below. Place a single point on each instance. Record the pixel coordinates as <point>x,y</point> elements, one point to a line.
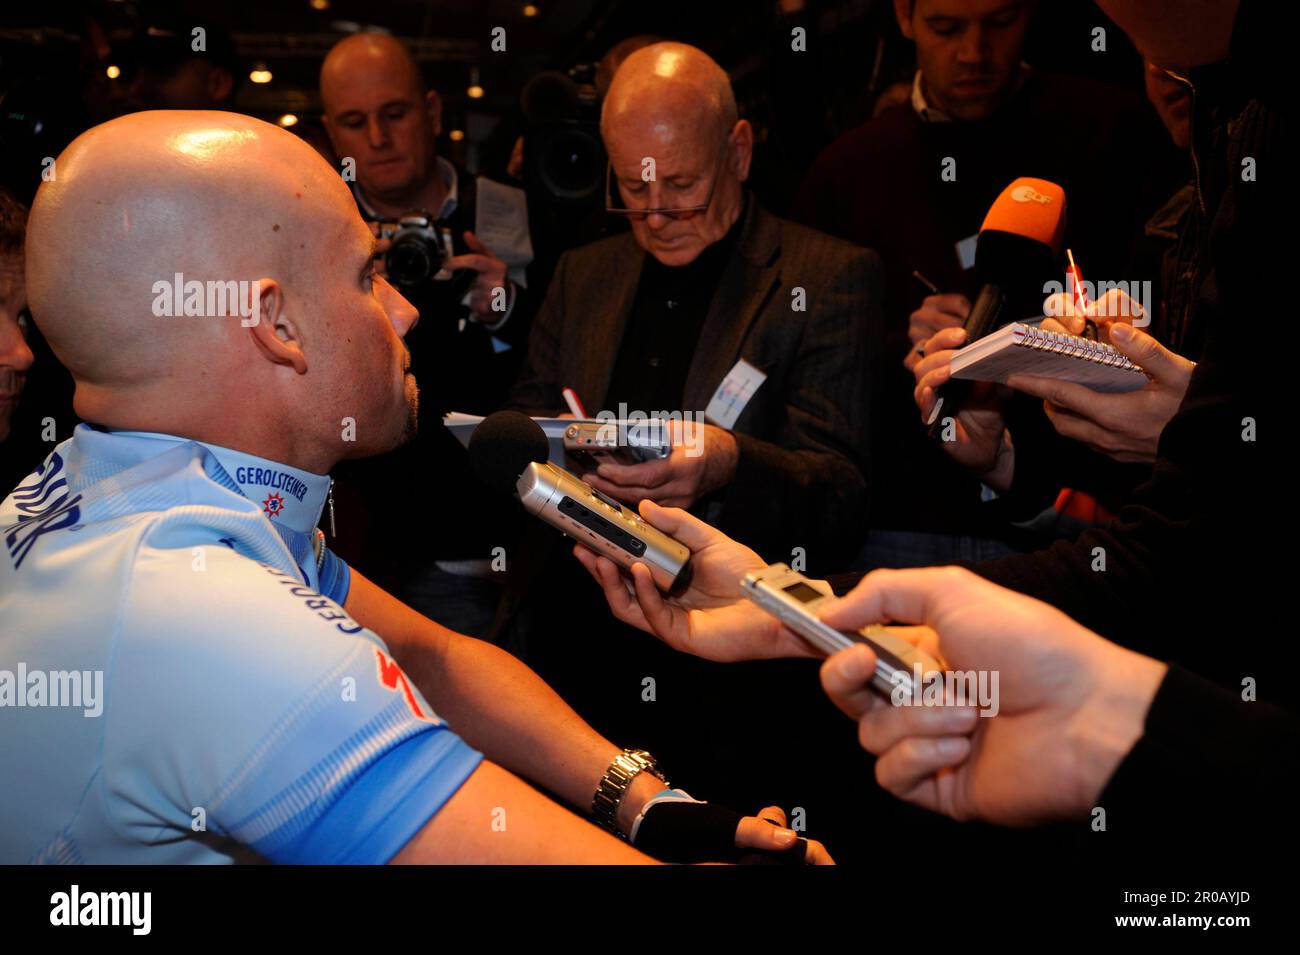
<point>289,497</point>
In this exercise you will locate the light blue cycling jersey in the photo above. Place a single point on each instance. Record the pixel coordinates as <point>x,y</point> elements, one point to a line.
<point>178,680</point>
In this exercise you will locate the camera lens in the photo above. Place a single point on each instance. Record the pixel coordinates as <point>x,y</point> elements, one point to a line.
<point>413,259</point>
<point>573,165</point>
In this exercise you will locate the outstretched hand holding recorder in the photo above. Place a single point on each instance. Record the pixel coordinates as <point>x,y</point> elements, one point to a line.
<point>509,451</point>
<point>712,618</point>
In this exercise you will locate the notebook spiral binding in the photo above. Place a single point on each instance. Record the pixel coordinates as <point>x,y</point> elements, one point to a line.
<point>1040,339</point>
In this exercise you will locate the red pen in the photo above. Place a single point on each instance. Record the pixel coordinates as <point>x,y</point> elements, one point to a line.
<point>575,406</point>
<point>1080,295</point>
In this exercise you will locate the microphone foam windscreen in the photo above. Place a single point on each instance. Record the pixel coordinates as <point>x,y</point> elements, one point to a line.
<point>503,445</point>
<point>1032,208</point>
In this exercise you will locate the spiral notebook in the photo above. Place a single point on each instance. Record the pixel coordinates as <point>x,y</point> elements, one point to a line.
<point>1030,350</point>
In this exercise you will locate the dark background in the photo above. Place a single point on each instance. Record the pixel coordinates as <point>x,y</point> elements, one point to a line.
<point>54,55</point>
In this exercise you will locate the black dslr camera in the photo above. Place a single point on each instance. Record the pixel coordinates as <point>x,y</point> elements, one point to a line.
<point>421,245</point>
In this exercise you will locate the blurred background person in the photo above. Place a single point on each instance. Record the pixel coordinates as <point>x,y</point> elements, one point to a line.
<point>1060,483</point>
<point>181,63</point>
<point>15,354</point>
<point>383,124</point>
<point>914,183</point>
<point>35,389</point>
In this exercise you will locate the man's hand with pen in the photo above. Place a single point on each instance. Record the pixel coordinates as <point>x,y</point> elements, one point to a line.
<point>1125,426</point>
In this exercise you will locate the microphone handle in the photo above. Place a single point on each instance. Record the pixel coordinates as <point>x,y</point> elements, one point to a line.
<point>985,316</point>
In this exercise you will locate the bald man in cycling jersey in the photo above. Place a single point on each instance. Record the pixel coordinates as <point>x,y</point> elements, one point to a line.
<point>187,673</point>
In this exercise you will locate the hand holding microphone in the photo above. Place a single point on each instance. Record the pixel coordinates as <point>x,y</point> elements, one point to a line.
<point>1016,253</point>
<point>510,452</point>
<point>978,439</point>
<point>936,313</point>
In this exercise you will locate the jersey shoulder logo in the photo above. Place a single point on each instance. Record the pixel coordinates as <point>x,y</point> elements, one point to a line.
<point>42,509</point>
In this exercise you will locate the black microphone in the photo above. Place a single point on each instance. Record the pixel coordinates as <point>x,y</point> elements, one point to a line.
<point>509,451</point>
<point>1016,254</point>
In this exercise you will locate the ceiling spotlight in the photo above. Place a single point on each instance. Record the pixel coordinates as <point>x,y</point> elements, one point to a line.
<point>113,72</point>
<point>530,10</point>
<point>457,135</point>
<point>260,74</point>
<point>475,90</point>
<point>320,4</point>
<point>287,120</point>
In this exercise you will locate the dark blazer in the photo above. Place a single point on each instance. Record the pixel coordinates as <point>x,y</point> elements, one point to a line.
<point>800,479</point>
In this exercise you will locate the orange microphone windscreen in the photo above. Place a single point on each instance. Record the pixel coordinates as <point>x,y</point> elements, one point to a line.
<point>1033,208</point>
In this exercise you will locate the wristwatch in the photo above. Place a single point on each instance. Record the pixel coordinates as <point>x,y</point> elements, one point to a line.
<point>609,793</point>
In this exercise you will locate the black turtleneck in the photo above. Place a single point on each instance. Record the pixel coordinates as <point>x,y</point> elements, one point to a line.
<point>664,327</point>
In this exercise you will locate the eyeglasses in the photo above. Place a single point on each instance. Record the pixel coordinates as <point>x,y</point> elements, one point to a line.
<point>680,212</point>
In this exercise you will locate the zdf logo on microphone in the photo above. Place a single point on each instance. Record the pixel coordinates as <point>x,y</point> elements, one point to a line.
<point>1029,194</point>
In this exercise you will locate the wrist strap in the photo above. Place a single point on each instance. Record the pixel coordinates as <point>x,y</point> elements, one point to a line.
<point>666,795</point>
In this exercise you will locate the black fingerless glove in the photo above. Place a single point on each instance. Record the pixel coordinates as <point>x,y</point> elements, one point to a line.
<point>687,831</point>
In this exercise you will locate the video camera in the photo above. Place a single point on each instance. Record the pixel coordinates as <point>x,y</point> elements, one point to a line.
<point>564,157</point>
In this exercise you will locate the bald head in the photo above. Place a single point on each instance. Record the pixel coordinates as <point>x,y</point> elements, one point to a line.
<point>671,130</point>
<point>667,81</point>
<point>211,199</point>
<point>210,195</point>
<point>365,55</point>
<point>378,113</point>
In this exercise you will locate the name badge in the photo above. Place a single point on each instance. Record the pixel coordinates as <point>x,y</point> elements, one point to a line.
<point>733,394</point>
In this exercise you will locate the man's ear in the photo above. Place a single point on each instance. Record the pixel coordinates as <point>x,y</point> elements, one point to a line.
<point>433,109</point>
<point>277,335</point>
<point>742,142</point>
<point>903,10</point>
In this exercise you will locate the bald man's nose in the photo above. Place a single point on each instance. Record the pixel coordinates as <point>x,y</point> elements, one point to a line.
<point>401,313</point>
<point>376,132</point>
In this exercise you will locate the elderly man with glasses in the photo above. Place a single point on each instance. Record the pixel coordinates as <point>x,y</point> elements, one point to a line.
<point>752,327</point>
<point>756,330</point>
